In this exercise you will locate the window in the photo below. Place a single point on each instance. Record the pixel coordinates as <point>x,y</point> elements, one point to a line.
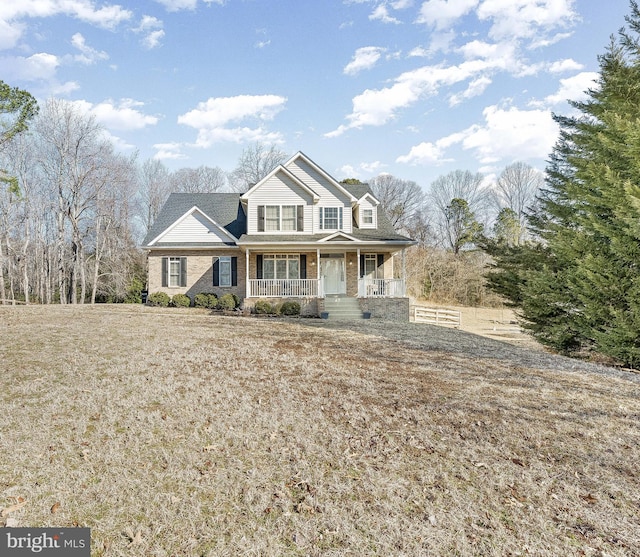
<point>225,271</point>
<point>367,216</point>
<point>370,265</point>
<point>281,266</point>
<point>289,217</point>
<point>273,218</point>
<point>174,272</point>
<point>330,218</point>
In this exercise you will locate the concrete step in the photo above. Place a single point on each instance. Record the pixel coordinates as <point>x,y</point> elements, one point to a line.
<point>341,307</point>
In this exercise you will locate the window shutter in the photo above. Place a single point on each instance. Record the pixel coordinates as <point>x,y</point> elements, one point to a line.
<point>260,218</point>
<point>361,265</point>
<point>183,271</point>
<point>216,271</point>
<point>259,266</point>
<point>303,266</point>
<point>321,214</point>
<point>339,218</point>
<point>380,270</point>
<point>234,271</point>
<point>300,218</point>
<point>165,271</point>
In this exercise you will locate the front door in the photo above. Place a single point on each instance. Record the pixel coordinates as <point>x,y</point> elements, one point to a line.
<point>333,273</point>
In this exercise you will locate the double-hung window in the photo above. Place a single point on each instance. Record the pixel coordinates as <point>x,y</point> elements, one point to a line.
<point>330,218</point>
<point>174,272</point>
<point>225,271</point>
<point>370,265</point>
<point>367,216</point>
<point>276,218</point>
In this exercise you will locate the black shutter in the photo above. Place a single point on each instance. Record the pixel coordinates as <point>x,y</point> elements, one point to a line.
<point>361,265</point>
<point>234,271</point>
<point>303,266</point>
<point>165,271</point>
<point>259,266</point>
<point>216,271</point>
<point>339,218</point>
<point>183,271</point>
<point>320,214</point>
<point>260,218</point>
<point>380,270</point>
<point>300,218</point>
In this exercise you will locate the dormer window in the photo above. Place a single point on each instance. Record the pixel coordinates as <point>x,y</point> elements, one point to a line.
<point>276,218</point>
<point>367,216</point>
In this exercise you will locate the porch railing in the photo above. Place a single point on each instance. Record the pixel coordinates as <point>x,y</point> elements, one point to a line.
<point>381,288</point>
<point>286,288</point>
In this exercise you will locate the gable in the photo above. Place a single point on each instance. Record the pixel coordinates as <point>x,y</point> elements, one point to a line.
<point>194,227</point>
<point>327,188</point>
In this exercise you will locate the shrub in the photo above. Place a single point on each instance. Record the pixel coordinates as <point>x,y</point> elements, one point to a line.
<point>159,299</point>
<point>290,308</point>
<point>180,301</point>
<point>206,300</point>
<point>262,307</point>
<point>227,302</point>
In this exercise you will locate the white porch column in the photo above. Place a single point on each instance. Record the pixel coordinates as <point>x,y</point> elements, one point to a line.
<point>318,263</point>
<point>246,274</point>
<point>359,273</point>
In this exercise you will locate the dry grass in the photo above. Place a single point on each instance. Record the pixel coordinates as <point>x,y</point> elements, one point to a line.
<point>178,433</point>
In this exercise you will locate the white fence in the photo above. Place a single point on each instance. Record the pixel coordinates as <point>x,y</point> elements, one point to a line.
<point>436,316</point>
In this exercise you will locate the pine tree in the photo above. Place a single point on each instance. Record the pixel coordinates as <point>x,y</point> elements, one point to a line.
<point>581,291</point>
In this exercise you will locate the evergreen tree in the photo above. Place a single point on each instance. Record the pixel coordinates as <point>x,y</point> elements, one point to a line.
<point>579,290</point>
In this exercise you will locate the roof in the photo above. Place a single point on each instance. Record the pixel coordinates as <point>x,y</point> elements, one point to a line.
<point>223,208</point>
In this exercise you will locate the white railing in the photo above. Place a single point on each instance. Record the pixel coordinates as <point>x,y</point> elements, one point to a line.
<point>436,316</point>
<point>285,288</point>
<point>381,288</point>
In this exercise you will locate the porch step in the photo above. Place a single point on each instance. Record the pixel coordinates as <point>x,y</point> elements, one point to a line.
<point>342,308</point>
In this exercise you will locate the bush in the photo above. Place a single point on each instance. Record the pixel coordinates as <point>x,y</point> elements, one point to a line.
<point>159,299</point>
<point>227,302</point>
<point>206,300</point>
<point>180,301</point>
<point>290,308</point>
<point>262,307</point>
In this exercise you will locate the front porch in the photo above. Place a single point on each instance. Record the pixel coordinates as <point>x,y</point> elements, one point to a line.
<point>314,288</point>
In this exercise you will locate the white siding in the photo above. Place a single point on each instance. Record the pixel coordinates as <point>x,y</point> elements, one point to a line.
<point>195,228</point>
<point>330,196</point>
<point>279,190</point>
<point>359,213</point>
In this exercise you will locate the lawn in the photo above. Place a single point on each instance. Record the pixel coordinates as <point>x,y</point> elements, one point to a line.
<point>175,432</point>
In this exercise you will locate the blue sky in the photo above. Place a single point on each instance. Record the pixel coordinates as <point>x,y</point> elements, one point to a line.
<point>415,88</point>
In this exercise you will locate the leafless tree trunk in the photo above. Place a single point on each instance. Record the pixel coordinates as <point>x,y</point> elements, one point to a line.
<point>254,164</point>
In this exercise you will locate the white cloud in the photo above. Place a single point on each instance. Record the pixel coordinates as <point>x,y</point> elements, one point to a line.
<point>177,5</point>
<point>511,134</point>
<point>572,88</point>
<point>39,66</point>
<point>171,151</point>
<point>441,14</point>
<point>526,18</point>
<point>566,65</point>
<point>212,118</point>
<point>88,55</point>
<point>475,89</point>
<point>364,59</point>
<point>152,29</point>
<point>9,34</point>
<point>362,170</point>
<point>121,116</point>
<point>431,153</point>
<point>381,13</point>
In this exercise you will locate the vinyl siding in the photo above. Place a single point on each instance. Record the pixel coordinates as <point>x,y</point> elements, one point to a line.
<point>279,190</point>
<point>330,196</point>
<point>359,214</point>
<point>195,228</point>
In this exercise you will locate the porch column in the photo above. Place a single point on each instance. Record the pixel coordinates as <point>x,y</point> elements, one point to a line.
<point>246,273</point>
<point>318,263</point>
<point>404,271</point>
<point>360,294</point>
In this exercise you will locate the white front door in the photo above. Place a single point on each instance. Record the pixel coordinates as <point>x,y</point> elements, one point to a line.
<point>333,273</point>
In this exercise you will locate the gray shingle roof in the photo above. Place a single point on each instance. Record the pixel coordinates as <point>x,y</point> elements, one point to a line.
<point>227,211</point>
<point>223,208</point>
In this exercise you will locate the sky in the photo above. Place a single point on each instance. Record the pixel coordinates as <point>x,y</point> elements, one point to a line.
<point>414,88</point>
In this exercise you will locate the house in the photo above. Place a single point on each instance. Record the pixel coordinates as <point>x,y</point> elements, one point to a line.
<point>297,234</point>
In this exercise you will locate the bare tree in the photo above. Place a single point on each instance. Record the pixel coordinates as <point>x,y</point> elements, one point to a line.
<point>516,189</point>
<point>254,164</point>
<point>204,179</point>
<point>461,185</point>
<point>401,200</point>
<point>153,190</point>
